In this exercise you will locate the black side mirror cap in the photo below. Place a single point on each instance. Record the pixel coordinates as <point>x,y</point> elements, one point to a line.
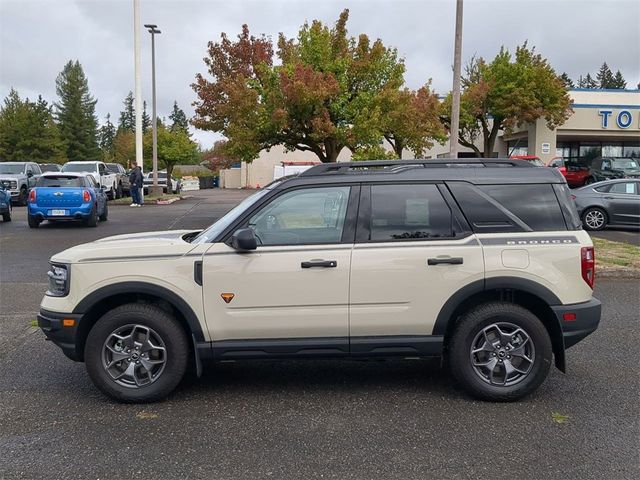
<point>244,240</point>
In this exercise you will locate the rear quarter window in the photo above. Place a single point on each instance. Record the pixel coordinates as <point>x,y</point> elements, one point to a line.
<point>510,208</point>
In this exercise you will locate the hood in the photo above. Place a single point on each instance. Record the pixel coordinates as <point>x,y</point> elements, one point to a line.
<point>130,247</point>
<point>12,176</point>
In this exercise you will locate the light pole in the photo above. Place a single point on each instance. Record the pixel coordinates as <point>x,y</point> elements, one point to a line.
<point>153,29</point>
<point>138,86</point>
<point>455,101</point>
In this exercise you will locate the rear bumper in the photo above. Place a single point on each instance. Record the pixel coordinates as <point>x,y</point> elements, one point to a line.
<point>64,337</point>
<point>586,321</point>
<point>75,213</point>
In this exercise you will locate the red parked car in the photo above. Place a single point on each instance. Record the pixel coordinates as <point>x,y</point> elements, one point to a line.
<point>576,175</point>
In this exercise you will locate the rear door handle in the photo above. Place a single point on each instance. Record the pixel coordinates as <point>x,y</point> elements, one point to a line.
<point>450,260</point>
<point>319,263</point>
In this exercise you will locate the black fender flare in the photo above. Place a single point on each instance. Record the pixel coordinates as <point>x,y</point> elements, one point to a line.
<point>178,303</point>
<point>496,283</point>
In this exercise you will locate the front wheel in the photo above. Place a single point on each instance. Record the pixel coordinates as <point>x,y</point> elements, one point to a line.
<point>137,353</point>
<point>23,196</point>
<point>500,352</point>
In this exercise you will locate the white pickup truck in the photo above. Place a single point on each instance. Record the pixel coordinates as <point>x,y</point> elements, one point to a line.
<point>99,171</point>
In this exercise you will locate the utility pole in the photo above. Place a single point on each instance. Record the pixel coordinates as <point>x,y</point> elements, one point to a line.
<point>455,104</point>
<point>138,83</point>
<point>153,30</point>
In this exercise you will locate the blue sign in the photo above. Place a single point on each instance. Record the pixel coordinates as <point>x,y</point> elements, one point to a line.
<point>624,118</point>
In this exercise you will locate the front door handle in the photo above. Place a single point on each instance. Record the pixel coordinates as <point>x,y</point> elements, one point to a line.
<point>319,263</point>
<point>450,260</point>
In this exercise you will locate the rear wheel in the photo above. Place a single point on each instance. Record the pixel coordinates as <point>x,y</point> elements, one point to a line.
<point>23,196</point>
<point>32,221</point>
<point>6,217</point>
<point>137,353</point>
<point>594,218</point>
<point>105,214</point>
<point>92,221</point>
<point>500,352</point>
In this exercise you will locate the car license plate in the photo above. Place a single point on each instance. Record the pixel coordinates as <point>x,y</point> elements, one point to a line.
<point>58,213</point>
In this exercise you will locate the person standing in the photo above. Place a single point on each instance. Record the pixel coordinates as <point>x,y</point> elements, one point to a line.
<point>136,181</point>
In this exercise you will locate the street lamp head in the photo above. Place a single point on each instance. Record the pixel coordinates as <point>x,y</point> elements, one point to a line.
<point>150,25</point>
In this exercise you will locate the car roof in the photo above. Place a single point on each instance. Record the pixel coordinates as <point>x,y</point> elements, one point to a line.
<point>477,171</point>
<point>15,163</point>
<point>86,161</point>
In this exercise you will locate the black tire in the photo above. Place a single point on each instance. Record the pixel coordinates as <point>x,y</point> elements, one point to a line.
<point>471,325</point>
<point>23,197</point>
<point>92,221</point>
<point>112,193</point>
<point>105,214</point>
<point>6,217</point>
<point>168,330</point>
<point>32,221</point>
<point>119,193</point>
<point>594,218</point>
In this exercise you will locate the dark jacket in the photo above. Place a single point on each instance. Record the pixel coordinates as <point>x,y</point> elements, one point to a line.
<point>135,178</point>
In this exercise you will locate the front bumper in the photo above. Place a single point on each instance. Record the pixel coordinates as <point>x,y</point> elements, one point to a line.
<point>578,320</point>
<point>51,323</point>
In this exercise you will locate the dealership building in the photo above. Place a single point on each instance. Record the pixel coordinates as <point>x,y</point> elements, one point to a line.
<point>603,123</point>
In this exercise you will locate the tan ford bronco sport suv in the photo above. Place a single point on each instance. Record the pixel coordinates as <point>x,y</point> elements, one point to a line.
<point>481,262</point>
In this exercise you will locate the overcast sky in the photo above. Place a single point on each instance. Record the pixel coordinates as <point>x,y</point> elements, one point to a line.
<point>37,37</point>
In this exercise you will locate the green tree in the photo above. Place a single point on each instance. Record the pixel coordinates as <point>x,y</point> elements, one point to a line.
<point>146,120</point>
<point>174,147</point>
<point>322,96</point>
<point>589,82</point>
<point>124,147</point>
<point>107,136</point>
<point>605,77</point>
<point>75,114</point>
<point>568,83</point>
<point>509,91</point>
<point>619,81</point>
<point>28,131</point>
<point>179,119</point>
<point>127,120</point>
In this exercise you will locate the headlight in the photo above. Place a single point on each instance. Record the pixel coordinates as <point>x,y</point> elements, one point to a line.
<point>58,280</point>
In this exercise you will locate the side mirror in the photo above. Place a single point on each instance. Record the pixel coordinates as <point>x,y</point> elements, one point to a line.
<point>244,240</point>
<point>29,174</point>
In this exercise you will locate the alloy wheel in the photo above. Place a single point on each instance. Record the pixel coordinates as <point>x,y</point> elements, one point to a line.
<point>594,219</point>
<point>134,356</point>
<point>502,354</point>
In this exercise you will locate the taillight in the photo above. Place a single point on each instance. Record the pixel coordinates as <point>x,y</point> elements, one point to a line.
<point>32,196</point>
<point>588,264</point>
<point>86,196</point>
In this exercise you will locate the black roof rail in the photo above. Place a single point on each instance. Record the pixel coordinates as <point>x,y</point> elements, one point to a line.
<point>389,166</point>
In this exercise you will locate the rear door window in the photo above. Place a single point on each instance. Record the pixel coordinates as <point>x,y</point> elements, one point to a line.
<point>408,212</point>
<point>628,188</point>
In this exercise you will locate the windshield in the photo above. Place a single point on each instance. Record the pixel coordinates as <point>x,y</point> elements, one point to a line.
<point>12,169</point>
<point>625,164</point>
<point>79,167</point>
<point>536,161</point>
<point>113,167</point>
<point>60,181</point>
<point>217,228</point>
<point>49,167</point>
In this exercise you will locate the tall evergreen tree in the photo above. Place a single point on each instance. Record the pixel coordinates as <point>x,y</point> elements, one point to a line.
<point>27,131</point>
<point>589,82</point>
<point>568,83</point>
<point>179,119</point>
<point>127,120</point>
<point>146,121</point>
<point>75,113</point>
<point>619,81</point>
<point>605,77</point>
<point>107,136</point>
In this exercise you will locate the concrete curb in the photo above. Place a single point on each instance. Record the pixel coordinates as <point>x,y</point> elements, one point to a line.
<point>617,272</point>
<point>168,202</point>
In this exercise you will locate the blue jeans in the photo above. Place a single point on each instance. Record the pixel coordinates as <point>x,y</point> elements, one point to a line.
<point>135,195</point>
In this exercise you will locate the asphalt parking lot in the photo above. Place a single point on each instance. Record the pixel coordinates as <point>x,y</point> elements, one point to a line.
<point>321,419</point>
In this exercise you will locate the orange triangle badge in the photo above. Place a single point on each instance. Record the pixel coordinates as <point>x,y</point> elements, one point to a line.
<point>227,297</point>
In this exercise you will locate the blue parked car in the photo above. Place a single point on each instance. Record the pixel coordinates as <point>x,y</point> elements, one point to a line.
<point>67,196</point>
<point>5,204</point>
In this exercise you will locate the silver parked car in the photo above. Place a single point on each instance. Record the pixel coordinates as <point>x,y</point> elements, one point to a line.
<point>612,202</point>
